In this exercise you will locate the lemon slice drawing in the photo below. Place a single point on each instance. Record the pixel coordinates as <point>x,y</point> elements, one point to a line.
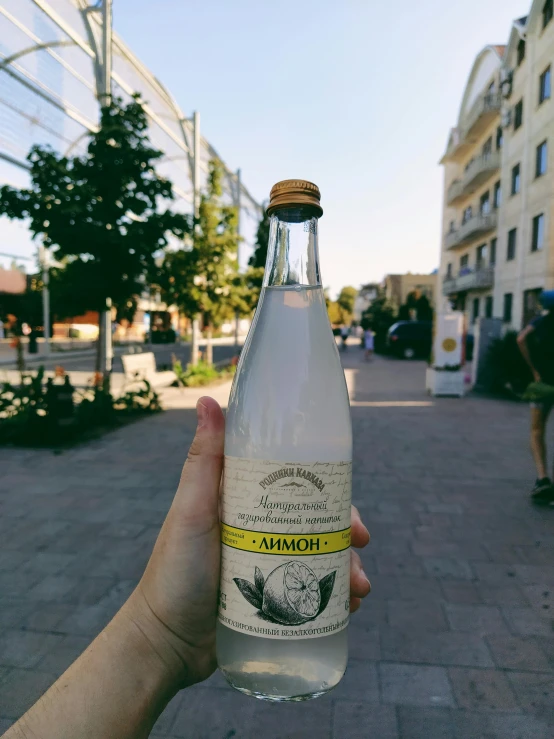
<point>291,594</point>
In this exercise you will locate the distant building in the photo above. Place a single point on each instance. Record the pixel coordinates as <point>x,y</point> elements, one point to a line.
<point>12,281</point>
<point>398,287</point>
<point>498,227</point>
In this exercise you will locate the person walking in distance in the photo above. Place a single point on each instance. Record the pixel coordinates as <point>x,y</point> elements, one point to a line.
<point>344,333</point>
<point>368,344</point>
<point>536,343</point>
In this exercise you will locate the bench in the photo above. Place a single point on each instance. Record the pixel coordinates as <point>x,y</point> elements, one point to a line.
<point>137,367</point>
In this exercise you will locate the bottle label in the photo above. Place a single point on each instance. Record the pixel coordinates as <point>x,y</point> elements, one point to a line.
<point>285,533</point>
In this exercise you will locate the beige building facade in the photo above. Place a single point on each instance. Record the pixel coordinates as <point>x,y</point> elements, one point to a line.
<point>398,287</point>
<point>498,227</point>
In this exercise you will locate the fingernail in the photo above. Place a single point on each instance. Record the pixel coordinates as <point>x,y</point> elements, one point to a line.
<point>202,414</point>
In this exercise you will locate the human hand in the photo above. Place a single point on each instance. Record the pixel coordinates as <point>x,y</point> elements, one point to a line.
<point>175,604</point>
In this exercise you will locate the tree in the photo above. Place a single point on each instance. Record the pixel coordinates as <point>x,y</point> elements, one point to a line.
<point>204,278</point>
<point>105,214</point>
<point>379,317</point>
<point>347,298</point>
<point>259,257</point>
<point>417,306</point>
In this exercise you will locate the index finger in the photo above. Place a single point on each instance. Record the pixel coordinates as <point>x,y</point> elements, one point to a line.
<point>360,535</point>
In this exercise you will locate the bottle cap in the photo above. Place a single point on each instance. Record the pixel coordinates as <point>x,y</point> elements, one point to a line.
<point>288,193</point>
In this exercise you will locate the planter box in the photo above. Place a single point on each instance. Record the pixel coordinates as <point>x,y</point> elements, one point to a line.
<point>444,383</point>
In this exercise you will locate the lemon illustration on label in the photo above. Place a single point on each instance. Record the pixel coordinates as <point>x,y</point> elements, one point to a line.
<point>449,345</point>
<point>290,595</point>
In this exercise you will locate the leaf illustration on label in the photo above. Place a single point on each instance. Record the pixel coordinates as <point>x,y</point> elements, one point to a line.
<point>249,591</point>
<point>259,580</point>
<point>326,585</point>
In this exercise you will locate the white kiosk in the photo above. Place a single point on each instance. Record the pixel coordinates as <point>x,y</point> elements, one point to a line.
<point>445,376</point>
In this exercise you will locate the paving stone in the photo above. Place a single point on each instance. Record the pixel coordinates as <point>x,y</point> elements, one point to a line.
<point>415,685</point>
<point>292,720</point>
<point>5,724</point>
<point>501,594</point>
<point>362,721</point>
<point>425,723</point>
<point>526,622</point>
<point>47,616</point>
<point>462,593</point>
<point>359,684</point>
<point>364,642</point>
<point>476,619</point>
<point>441,648</point>
<point>448,567</point>
<point>23,688</point>
<point>25,648</point>
<point>518,653</point>
<point>483,690</point>
<point>534,690</point>
<point>419,615</point>
<point>64,654</point>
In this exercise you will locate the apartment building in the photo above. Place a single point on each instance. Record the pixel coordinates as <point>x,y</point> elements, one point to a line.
<point>498,226</point>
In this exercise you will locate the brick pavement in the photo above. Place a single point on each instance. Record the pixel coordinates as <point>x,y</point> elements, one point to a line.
<point>456,640</point>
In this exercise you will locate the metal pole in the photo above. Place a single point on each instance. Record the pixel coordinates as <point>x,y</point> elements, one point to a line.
<point>43,257</point>
<point>105,96</point>
<point>196,202</point>
<point>238,203</point>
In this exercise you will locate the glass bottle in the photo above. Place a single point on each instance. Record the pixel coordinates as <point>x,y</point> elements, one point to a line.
<point>284,593</point>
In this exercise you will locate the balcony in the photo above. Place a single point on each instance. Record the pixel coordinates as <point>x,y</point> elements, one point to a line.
<point>479,117</point>
<point>471,229</point>
<point>475,175</point>
<point>480,278</point>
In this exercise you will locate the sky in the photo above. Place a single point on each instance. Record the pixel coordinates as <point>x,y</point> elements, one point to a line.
<point>356,96</point>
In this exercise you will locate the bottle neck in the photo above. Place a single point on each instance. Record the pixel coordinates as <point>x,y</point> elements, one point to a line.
<point>292,254</point>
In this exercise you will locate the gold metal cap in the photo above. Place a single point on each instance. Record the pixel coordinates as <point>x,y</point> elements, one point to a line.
<point>289,193</point>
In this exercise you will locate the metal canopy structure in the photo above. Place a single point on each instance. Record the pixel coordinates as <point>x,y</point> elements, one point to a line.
<point>51,80</point>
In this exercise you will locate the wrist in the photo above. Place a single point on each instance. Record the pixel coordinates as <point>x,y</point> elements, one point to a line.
<point>155,643</point>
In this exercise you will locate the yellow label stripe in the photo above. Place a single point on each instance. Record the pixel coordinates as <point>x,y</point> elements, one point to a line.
<point>298,545</point>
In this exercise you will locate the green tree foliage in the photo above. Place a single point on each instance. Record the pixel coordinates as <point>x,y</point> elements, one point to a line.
<point>379,317</point>
<point>417,306</point>
<point>346,299</point>
<point>105,214</point>
<point>259,257</point>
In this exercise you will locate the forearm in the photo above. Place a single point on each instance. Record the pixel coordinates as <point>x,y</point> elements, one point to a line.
<point>115,690</point>
<point>524,349</point>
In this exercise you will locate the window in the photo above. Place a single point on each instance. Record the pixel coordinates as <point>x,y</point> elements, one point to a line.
<point>507,312</point>
<point>475,310</point>
<point>449,271</point>
<point>497,197</point>
<point>488,306</point>
<point>518,115</point>
<point>547,12</point>
<point>531,304</point>
<point>544,85</point>
<point>511,251</point>
<point>464,261</point>
<point>541,159</point>
<point>520,51</point>
<point>485,204</point>
<point>452,227</point>
<point>493,252</point>
<point>487,148</point>
<point>499,138</point>
<point>516,179</point>
<point>538,233</point>
<point>481,256</point>
<point>468,212</point>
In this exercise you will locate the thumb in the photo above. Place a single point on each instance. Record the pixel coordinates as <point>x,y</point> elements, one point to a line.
<point>197,498</point>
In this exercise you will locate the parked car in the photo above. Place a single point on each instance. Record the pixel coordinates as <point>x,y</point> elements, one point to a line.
<point>410,339</point>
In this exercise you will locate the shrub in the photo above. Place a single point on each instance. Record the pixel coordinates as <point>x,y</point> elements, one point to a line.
<point>201,374</point>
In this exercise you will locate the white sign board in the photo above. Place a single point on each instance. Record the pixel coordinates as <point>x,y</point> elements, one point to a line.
<point>448,339</point>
